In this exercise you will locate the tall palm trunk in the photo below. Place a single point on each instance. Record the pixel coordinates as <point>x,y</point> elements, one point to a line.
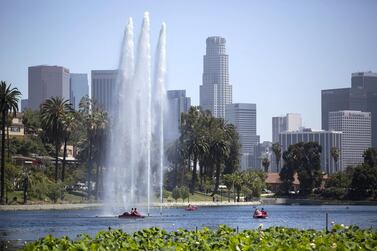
<point>217,182</point>
<point>8,142</point>
<point>25,188</point>
<point>4,113</point>
<point>201,175</point>
<point>56,156</point>
<point>89,166</point>
<point>193,178</point>
<point>64,157</point>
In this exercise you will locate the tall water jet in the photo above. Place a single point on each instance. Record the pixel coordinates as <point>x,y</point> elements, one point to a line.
<point>128,181</point>
<point>160,78</point>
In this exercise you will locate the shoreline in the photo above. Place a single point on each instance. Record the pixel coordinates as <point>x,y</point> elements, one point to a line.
<point>262,201</point>
<point>68,206</point>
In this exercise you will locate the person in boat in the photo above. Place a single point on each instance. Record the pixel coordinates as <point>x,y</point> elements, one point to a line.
<point>263,211</point>
<point>136,213</point>
<point>257,212</point>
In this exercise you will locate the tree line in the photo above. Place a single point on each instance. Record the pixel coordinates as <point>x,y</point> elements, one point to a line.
<point>55,125</point>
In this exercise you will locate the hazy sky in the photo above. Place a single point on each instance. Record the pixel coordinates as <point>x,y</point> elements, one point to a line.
<point>281,53</point>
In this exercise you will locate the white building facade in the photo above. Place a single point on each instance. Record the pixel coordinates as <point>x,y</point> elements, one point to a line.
<point>357,134</point>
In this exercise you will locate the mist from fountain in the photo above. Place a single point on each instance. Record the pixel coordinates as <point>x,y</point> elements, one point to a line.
<point>136,125</point>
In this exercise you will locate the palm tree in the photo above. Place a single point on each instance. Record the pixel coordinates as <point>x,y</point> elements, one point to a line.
<point>334,151</point>
<point>70,124</point>
<point>265,163</point>
<point>276,148</point>
<point>236,181</point>
<point>220,148</point>
<point>95,121</point>
<point>53,111</point>
<point>9,98</point>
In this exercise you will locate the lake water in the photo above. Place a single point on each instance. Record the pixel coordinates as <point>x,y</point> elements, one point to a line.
<point>23,226</point>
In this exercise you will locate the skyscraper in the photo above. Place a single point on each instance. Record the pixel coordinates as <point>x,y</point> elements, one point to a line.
<point>215,92</point>
<point>356,128</point>
<point>244,117</point>
<point>362,96</point>
<point>333,100</point>
<point>45,82</point>
<point>103,87</point>
<point>78,88</point>
<point>24,104</point>
<point>294,121</point>
<point>290,122</point>
<point>177,103</point>
<point>279,124</point>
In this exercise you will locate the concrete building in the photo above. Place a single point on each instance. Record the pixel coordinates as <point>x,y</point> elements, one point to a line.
<point>24,104</point>
<point>78,88</point>
<point>326,139</point>
<point>244,117</point>
<point>290,122</point>
<point>356,128</point>
<point>279,124</point>
<point>215,91</point>
<point>103,87</point>
<point>362,96</point>
<point>45,82</point>
<point>177,104</point>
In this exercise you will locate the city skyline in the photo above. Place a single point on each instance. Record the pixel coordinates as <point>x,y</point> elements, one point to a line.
<point>272,57</point>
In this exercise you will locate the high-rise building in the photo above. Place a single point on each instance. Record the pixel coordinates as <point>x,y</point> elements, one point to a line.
<point>244,117</point>
<point>177,104</point>
<point>279,124</point>
<point>294,121</point>
<point>78,88</point>
<point>326,139</point>
<point>24,104</point>
<point>290,122</point>
<point>333,100</point>
<point>362,96</point>
<point>46,82</point>
<point>356,128</point>
<point>215,92</point>
<point>103,87</point>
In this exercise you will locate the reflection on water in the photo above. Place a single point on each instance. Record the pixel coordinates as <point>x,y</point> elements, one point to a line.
<point>31,225</point>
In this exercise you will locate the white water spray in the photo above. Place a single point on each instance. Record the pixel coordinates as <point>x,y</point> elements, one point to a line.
<point>129,182</point>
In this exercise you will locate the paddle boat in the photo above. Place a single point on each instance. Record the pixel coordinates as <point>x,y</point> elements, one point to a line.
<point>132,214</point>
<point>260,214</point>
<point>191,208</point>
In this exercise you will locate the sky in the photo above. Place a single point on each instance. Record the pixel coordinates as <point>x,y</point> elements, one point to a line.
<point>281,53</point>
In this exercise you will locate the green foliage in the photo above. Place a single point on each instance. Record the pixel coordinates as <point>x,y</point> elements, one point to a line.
<point>176,193</point>
<point>55,191</point>
<point>222,238</point>
<point>184,193</point>
<point>305,160</point>
<point>276,148</point>
<point>32,122</point>
<point>28,146</point>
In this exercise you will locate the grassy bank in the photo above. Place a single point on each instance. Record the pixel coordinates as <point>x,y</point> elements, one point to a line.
<point>223,238</point>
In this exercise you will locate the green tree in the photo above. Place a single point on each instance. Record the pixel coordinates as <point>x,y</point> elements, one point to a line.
<point>276,148</point>
<point>32,122</point>
<point>234,180</point>
<point>370,157</point>
<point>253,183</point>
<point>69,124</point>
<point>53,111</point>
<point>184,193</point>
<point>335,153</point>
<point>9,98</point>
<point>176,193</point>
<point>291,159</point>
<point>232,161</point>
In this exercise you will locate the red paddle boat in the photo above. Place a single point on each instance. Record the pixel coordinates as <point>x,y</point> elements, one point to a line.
<point>191,208</point>
<point>132,214</point>
<point>260,214</point>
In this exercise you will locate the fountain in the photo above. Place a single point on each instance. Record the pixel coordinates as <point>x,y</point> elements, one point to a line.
<point>136,125</point>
